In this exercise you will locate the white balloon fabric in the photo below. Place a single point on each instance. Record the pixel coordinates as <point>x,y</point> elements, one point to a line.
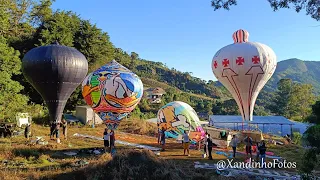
<point>244,68</point>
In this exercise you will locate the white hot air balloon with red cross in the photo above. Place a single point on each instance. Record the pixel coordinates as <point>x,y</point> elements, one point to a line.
<point>244,68</point>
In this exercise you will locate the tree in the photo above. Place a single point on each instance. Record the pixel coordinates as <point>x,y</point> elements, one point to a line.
<point>11,101</point>
<point>312,7</point>
<point>94,44</point>
<point>280,104</point>
<point>293,100</point>
<point>301,100</point>
<point>134,56</point>
<point>316,112</point>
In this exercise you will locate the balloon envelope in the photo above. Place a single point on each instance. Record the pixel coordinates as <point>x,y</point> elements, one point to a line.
<point>244,68</point>
<point>112,91</point>
<point>177,117</point>
<point>54,71</point>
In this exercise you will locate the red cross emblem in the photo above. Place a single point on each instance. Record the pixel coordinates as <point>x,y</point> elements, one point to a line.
<point>240,61</point>
<point>225,62</point>
<point>215,64</point>
<point>255,59</point>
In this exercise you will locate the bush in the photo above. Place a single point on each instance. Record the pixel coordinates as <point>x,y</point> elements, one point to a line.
<point>312,136</point>
<point>297,138</point>
<point>309,161</point>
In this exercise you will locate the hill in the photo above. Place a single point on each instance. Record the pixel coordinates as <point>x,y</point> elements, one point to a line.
<point>306,72</point>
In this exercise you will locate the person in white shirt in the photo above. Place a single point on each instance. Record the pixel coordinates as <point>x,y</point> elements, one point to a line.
<point>229,137</point>
<point>233,144</point>
<point>185,140</point>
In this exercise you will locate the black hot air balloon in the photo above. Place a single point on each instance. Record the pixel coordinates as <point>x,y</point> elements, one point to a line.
<point>55,71</point>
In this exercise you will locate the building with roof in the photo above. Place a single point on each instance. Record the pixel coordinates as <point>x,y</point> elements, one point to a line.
<point>277,125</point>
<point>154,95</point>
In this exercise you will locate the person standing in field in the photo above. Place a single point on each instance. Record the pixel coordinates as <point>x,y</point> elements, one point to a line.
<point>229,137</point>
<point>205,147</point>
<point>233,144</point>
<point>248,142</point>
<point>106,138</point>
<point>27,131</point>
<point>159,134</point>
<point>186,141</point>
<point>210,145</point>
<point>262,152</point>
<point>52,130</point>
<point>163,139</point>
<point>57,132</point>
<point>64,124</point>
<point>112,140</point>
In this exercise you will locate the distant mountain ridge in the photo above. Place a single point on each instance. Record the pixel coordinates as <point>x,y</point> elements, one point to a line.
<point>306,72</point>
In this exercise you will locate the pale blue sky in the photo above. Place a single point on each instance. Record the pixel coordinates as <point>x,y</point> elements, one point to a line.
<point>185,34</point>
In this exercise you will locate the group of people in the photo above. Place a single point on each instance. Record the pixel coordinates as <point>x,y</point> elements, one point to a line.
<point>55,130</point>
<point>185,141</point>
<point>232,141</point>
<point>260,148</point>
<point>109,139</point>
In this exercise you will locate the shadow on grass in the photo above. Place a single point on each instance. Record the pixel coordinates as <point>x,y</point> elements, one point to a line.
<point>132,164</point>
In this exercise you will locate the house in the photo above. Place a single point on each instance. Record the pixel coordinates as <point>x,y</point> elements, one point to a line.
<point>154,95</point>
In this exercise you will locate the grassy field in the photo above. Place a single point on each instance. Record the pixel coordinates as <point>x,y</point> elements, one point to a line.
<point>19,160</point>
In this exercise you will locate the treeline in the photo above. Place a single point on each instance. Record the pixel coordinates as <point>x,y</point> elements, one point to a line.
<point>26,24</point>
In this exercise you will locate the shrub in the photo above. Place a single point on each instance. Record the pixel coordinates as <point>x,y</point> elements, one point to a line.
<point>297,138</point>
<point>312,136</point>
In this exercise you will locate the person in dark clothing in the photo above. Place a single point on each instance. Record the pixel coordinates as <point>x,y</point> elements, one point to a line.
<point>64,124</point>
<point>52,130</point>
<point>262,152</point>
<point>163,139</point>
<point>27,131</point>
<point>205,144</point>
<point>112,139</point>
<point>210,144</point>
<point>248,142</point>
<point>106,138</point>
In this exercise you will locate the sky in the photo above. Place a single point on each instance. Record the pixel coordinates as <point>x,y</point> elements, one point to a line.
<point>186,34</point>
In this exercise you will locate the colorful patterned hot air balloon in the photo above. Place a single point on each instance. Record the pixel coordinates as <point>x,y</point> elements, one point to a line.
<point>55,71</point>
<point>244,68</point>
<point>176,117</point>
<point>113,91</point>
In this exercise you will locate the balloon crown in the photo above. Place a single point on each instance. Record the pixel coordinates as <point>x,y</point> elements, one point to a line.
<point>240,36</point>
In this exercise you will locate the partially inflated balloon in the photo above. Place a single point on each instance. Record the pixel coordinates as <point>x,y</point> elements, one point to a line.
<point>177,117</point>
<point>113,91</point>
<point>54,71</point>
<point>244,68</point>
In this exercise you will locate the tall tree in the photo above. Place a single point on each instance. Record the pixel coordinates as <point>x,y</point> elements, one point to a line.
<point>312,7</point>
<point>11,101</point>
<point>293,100</point>
<point>94,44</point>
<point>280,104</point>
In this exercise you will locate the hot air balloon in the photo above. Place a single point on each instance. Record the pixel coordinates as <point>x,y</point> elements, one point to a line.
<point>113,91</point>
<point>177,117</point>
<point>244,68</point>
<point>55,71</point>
